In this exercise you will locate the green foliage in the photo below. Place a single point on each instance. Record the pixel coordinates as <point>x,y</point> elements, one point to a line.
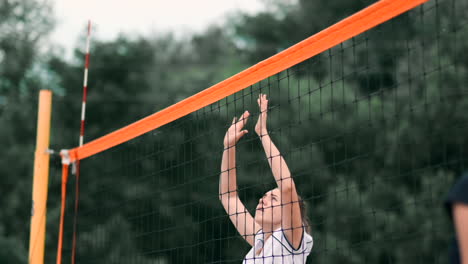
<point>23,23</point>
<point>13,250</point>
<point>372,129</point>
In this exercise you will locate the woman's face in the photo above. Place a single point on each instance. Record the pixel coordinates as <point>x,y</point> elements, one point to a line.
<point>268,211</point>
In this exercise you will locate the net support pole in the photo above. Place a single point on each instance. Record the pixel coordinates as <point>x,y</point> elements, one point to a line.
<point>40,180</point>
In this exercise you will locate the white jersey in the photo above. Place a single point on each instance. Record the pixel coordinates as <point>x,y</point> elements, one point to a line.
<point>277,249</point>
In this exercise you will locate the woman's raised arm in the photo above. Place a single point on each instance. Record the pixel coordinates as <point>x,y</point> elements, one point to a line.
<point>291,219</point>
<point>240,217</point>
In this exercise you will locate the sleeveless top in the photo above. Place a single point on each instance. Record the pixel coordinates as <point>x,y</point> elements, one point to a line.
<point>277,249</point>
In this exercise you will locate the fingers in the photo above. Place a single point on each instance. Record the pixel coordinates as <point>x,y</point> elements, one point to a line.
<point>262,102</point>
<point>243,119</point>
<point>234,120</point>
<point>262,98</point>
<point>240,134</point>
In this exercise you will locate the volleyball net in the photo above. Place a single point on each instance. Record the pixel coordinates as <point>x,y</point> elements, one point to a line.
<point>373,145</point>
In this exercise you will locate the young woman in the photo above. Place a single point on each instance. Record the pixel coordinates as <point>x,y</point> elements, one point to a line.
<point>277,234</point>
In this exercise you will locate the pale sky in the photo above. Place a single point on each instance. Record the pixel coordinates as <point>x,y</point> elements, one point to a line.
<point>111,17</point>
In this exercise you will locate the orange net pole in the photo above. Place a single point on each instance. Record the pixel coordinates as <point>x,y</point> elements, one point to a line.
<point>354,25</point>
<point>40,180</point>
<point>62,212</point>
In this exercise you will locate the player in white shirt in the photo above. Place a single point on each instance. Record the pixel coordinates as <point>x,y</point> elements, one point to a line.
<point>280,230</point>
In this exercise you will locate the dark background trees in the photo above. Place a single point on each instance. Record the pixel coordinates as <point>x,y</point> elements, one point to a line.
<point>22,26</point>
<point>373,130</point>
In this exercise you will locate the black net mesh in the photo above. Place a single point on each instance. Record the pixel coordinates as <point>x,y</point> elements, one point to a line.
<point>373,144</point>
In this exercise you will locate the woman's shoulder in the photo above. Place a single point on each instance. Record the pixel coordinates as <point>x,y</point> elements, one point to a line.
<point>457,194</point>
<point>459,191</point>
<point>306,243</point>
<point>308,240</point>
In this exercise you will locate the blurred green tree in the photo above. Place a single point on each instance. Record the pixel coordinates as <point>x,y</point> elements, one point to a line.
<point>23,26</point>
<point>373,130</point>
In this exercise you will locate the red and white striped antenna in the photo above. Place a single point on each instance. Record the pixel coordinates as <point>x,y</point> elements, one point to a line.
<point>76,167</point>
<point>82,129</point>
<point>85,86</point>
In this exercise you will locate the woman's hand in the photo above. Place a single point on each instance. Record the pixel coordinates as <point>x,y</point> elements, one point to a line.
<point>261,126</point>
<point>235,131</point>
